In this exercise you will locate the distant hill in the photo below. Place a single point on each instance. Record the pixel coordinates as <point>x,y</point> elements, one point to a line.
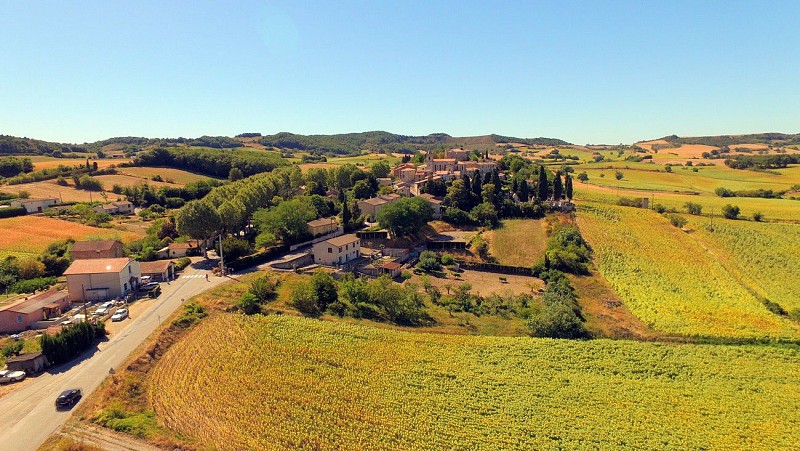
<point>343,143</point>
<point>776,139</point>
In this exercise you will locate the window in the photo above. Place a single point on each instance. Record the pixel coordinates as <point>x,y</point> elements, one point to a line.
<point>125,285</point>
<point>129,270</point>
<point>330,250</point>
<point>19,318</point>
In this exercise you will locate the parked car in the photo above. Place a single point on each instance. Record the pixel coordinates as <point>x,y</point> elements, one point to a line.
<point>148,286</point>
<point>7,376</point>
<point>101,311</point>
<point>15,337</point>
<point>68,398</point>
<point>120,314</point>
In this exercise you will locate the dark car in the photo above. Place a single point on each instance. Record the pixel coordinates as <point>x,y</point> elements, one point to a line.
<point>148,286</point>
<point>68,398</point>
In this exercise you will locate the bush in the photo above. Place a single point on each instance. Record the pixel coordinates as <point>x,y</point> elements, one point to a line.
<point>304,300</point>
<point>192,313</point>
<point>137,424</point>
<point>677,220</point>
<point>32,285</point>
<point>758,217</point>
<point>249,304</point>
<point>11,212</point>
<point>263,289</point>
<point>693,208</point>
<point>71,341</point>
<point>456,216</point>
<point>182,263</point>
<point>724,192</point>
<point>730,211</point>
<point>447,259</point>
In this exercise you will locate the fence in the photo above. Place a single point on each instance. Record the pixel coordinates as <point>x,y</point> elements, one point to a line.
<point>494,267</point>
<point>446,245</point>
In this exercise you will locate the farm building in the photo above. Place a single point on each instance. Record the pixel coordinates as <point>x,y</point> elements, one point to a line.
<point>34,205</point>
<point>85,250</point>
<point>102,279</point>
<point>20,315</point>
<point>322,226</point>
<point>159,271</point>
<point>178,250</point>
<point>32,363</point>
<point>337,251</point>
<point>392,269</point>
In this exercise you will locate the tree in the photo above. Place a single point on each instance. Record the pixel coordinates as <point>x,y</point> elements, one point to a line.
<point>488,194</point>
<point>380,169</point>
<point>287,220</point>
<point>198,219</point>
<point>233,248</point>
<point>325,289</point>
<point>542,187</point>
<point>524,191</point>
<point>619,175</point>
<point>304,300</point>
<point>458,196</point>
<point>235,174</point>
<point>557,320</point>
<point>558,187</point>
<point>568,186</point>
<point>486,214</point>
<point>583,177</point>
<point>477,185</point>
<point>405,217</point>
<point>232,215</point>
<point>345,214</point>
<point>249,304</point>
<point>730,211</point>
<point>362,190</point>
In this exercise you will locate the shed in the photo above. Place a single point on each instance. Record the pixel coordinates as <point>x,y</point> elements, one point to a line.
<point>31,363</point>
<point>159,271</point>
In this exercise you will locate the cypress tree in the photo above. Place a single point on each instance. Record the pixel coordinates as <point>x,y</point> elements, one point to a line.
<point>345,210</point>
<point>514,185</point>
<point>524,191</point>
<point>568,186</point>
<point>487,179</point>
<point>477,185</point>
<point>542,188</point>
<point>558,187</point>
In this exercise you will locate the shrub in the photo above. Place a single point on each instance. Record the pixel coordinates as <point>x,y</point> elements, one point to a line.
<point>730,211</point>
<point>192,313</point>
<point>304,300</point>
<point>758,217</point>
<point>263,289</point>
<point>693,208</point>
<point>677,220</point>
<point>182,263</point>
<point>619,175</point>
<point>249,304</point>
<point>11,212</point>
<point>456,216</point>
<point>71,341</point>
<point>31,285</point>
<point>724,192</point>
<point>447,259</point>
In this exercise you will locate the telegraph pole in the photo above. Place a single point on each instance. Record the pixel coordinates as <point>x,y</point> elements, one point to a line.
<point>221,258</point>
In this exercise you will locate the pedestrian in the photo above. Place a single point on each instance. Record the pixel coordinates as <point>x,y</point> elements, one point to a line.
<point>206,277</point>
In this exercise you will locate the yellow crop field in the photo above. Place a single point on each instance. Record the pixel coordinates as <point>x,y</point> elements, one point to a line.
<point>270,382</point>
<point>764,255</point>
<point>32,234</point>
<point>41,162</point>
<point>178,176</point>
<point>670,281</point>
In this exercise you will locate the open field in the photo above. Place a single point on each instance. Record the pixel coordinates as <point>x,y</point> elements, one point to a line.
<point>361,160</point>
<point>766,256</point>
<point>126,180</point>
<point>31,234</point>
<point>519,242</point>
<point>670,281</point>
<point>49,188</point>
<point>178,176</point>
<point>279,382</point>
<point>41,162</point>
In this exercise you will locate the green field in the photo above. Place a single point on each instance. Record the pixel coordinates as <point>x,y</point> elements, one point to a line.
<point>518,242</point>
<point>281,382</point>
<point>670,281</point>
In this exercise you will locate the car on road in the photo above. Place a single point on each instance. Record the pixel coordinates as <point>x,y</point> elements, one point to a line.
<point>7,376</point>
<point>148,286</point>
<point>120,314</point>
<point>68,398</point>
<point>15,337</point>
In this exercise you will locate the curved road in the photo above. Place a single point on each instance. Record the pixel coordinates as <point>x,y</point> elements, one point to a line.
<point>28,414</point>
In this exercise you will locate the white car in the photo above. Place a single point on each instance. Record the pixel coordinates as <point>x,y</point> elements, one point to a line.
<point>11,376</point>
<point>102,310</point>
<point>120,314</point>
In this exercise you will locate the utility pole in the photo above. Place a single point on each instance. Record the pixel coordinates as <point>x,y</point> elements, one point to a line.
<point>221,258</point>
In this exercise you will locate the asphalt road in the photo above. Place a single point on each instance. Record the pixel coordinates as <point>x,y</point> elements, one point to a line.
<point>28,415</point>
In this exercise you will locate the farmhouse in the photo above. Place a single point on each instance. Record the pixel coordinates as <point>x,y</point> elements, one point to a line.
<point>158,271</point>
<point>19,316</point>
<point>122,207</point>
<point>102,279</point>
<point>322,226</point>
<point>84,250</point>
<point>337,251</point>
<point>392,269</point>
<point>435,203</point>
<point>34,205</point>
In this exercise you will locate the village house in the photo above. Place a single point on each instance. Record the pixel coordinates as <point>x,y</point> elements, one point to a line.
<point>322,226</point>
<point>102,279</point>
<point>158,271</point>
<point>392,269</point>
<point>178,250</point>
<point>85,250</point>
<point>435,203</point>
<point>371,207</point>
<point>34,205</point>
<point>337,251</point>
<point>20,315</point>
<point>458,154</point>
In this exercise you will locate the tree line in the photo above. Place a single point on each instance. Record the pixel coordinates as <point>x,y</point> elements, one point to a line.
<point>213,162</point>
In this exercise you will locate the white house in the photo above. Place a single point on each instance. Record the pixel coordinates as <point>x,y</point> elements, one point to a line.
<point>34,205</point>
<point>337,251</point>
<point>102,279</point>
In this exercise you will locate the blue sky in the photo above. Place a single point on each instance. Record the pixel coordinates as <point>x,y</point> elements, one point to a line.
<point>586,72</point>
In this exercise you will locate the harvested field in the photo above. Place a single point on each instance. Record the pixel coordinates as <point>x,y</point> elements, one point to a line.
<point>40,162</point>
<point>32,234</point>
<point>178,176</point>
<point>49,188</point>
<point>127,180</point>
<point>518,242</point>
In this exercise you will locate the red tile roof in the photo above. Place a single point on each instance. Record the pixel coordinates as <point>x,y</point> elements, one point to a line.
<point>95,245</point>
<point>97,266</point>
<point>156,267</point>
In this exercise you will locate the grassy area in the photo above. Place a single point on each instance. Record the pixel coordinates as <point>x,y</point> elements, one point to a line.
<point>518,242</point>
<point>329,385</point>
<point>42,162</point>
<point>177,176</point>
<point>31,234</point>
<point>670,281</point>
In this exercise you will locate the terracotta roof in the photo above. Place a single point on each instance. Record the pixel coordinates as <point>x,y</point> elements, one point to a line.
<point>97,266</point>
<point>392,266</point>
<point>187,245</point>
<point>96,245</point>
<point>37,302</point>
<point>321,222</point>
<point>374,201</point>
<point>342,240</point>
<point>156,267</point>
<point>389,197</point>
<point>444,160</point>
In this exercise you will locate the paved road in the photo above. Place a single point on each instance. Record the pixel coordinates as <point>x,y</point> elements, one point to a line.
<point>28,415</point>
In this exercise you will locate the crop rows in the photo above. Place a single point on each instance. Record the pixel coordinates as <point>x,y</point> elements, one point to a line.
<point>238,382</point>
<point>670,281</point>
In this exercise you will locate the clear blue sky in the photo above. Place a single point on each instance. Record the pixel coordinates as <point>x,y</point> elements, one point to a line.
<point>586,72</point>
